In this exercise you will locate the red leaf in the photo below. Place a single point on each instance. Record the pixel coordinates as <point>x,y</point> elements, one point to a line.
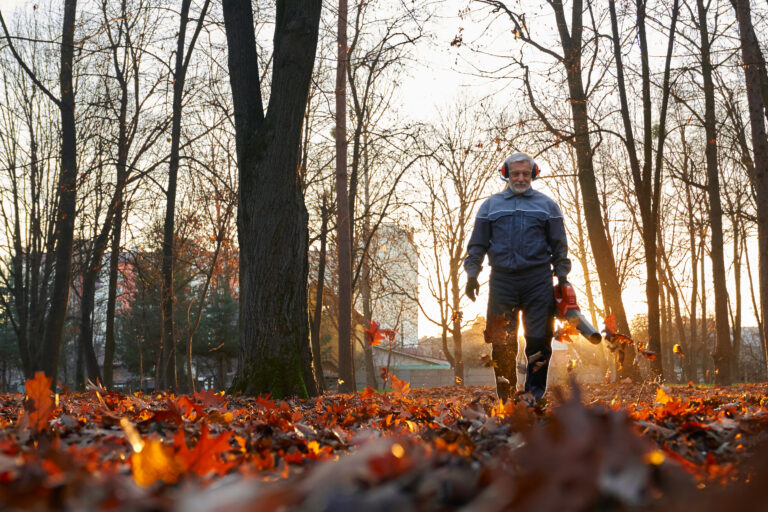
<point>210,399</point>
<point>373,334</point>
<point>206,456</point>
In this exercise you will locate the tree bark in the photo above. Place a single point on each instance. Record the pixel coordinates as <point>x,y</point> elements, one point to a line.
<point>272,217</point>
<point>722,354</point>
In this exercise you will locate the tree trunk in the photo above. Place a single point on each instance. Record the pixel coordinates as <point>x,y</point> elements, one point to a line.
<point>365,284</point>
<point>114,263</point>
<point>317,318</point>
<point>722,354</point>
<point>167,373</point>
<point>272,217</point>
<point>456,317</point>
<point>67,196</point>
<point>756,77</point>
<point>343,222</point>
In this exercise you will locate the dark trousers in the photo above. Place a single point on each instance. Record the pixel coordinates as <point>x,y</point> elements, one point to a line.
<point>532,294</point>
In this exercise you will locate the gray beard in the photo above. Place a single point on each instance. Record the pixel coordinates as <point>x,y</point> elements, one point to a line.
<point>517,191</point>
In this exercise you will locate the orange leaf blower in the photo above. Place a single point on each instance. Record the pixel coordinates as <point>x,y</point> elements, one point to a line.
<point>568,310</point>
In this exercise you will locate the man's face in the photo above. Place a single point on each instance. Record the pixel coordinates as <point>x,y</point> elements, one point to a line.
<point>520,176</point>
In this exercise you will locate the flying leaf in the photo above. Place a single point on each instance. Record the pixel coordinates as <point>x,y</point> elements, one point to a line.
<point>367,393</point>
<point>373,334</point>
<point>401,387</point>
<point>610,324</point>
<point>677,349</point>
<point>38,405</point>
<point>495,331</point>
<point>571,365</point>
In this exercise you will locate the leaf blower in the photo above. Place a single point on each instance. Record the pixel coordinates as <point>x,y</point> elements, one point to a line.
<point>568,310</point>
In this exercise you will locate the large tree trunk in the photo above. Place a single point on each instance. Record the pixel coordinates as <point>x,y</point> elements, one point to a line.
<point>722,353</point>
<point>67,196</point>
<point>272,217</point>
<point>756,77</point>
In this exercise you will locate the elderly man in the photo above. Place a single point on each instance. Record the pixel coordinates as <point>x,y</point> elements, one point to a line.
<point>521,230</point>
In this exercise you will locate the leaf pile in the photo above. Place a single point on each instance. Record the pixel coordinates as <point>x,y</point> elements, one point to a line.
<point>454,448</point>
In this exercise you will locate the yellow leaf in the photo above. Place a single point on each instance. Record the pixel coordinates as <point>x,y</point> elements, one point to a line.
<point>662,397</point>
<point>155,462</point>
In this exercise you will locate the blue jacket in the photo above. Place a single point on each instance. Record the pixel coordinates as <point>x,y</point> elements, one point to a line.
<point>518,232</point>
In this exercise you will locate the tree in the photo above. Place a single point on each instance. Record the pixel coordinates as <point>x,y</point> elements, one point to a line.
<point>722,353</point>
<point>168,346</point>
<point>647,183</point>
<point>463,160</point>
<point>756,78</point>
<point>272,217</point>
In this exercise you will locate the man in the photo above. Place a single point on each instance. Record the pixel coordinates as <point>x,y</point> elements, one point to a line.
<point>522,232</point>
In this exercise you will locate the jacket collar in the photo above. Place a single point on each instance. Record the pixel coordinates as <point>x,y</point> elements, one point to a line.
<point>508,194</point>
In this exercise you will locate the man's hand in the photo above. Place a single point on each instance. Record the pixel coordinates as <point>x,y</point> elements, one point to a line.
<point>472,289</point>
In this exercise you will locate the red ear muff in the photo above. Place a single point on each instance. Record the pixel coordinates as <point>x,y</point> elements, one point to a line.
<point>535,170</point>
<point>504,170</point>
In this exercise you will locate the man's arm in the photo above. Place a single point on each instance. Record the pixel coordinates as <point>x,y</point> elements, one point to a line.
<point>479,242</point>
<point>558,244</point>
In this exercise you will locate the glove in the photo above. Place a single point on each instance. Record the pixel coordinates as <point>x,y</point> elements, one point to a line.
<point>472,289</point>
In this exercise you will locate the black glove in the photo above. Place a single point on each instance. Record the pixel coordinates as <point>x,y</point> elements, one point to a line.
<point>472,289</point>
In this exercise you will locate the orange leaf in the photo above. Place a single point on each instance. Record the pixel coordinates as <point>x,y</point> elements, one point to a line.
<point>495,331</point>
<point>662,397</point>
<point>401,387</point>
<point>155,462</point>
<point>610,323</point>
<point>373,334</point>
<point>38,405</point>
<point>367,393</point>
<point>205,457</point>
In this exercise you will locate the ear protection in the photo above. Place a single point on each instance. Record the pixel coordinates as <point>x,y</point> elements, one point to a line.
<point>504,171</point>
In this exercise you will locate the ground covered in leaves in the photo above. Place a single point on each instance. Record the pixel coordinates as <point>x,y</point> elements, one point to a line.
<point>606,447</point>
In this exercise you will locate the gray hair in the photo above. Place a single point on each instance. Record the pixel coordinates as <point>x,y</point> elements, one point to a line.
<point>519,157</point>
